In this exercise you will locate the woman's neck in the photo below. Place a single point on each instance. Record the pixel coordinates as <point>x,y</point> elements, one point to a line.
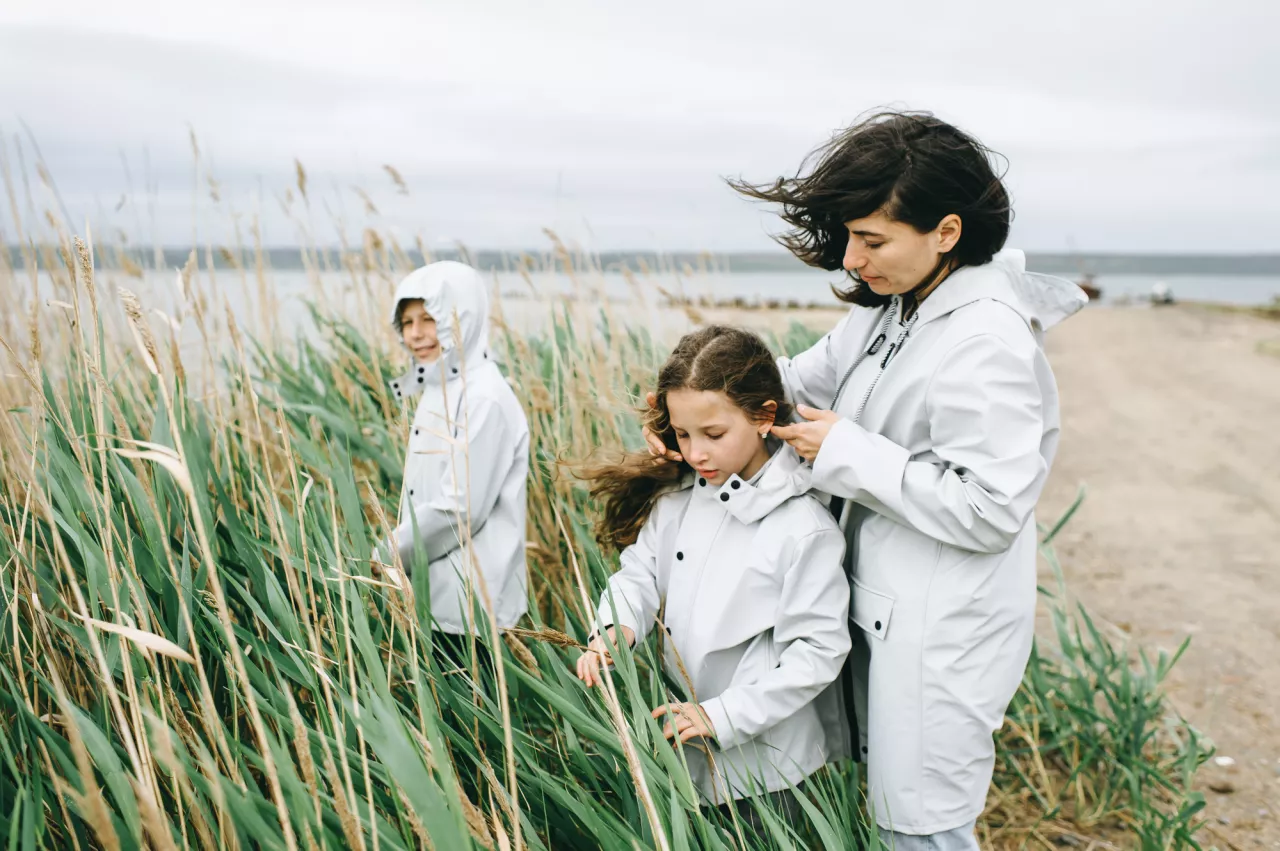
<point>911,303</point>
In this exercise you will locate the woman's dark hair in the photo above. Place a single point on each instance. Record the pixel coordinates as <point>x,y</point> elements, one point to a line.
<point>914,167</point>
<point>731,360</point>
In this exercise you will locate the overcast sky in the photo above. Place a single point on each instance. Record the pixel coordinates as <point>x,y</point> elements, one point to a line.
<point>1128,125</point>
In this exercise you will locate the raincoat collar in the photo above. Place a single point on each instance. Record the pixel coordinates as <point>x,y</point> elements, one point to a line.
<point>783,476</point>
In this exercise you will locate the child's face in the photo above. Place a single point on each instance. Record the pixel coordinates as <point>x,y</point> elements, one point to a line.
<point>418,330</point>
<point>716,437</point>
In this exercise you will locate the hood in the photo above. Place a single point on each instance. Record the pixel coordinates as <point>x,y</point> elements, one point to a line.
<point>1042,300</point>
<point>783,476</point>
<point>454,295</point>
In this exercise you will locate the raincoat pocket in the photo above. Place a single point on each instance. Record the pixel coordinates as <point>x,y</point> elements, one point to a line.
<point>871,610</point>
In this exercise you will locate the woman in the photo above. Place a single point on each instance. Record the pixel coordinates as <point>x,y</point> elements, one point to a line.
<point>930,413</point>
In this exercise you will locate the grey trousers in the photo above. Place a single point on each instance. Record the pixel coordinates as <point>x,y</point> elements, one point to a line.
<point>957,839</point>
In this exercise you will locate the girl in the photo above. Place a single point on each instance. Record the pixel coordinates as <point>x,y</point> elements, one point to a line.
<point>931,413</point>
<point>462,507</point>
<point>747,566</point>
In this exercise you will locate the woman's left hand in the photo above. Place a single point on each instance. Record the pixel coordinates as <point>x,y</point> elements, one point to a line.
<point>807,437</point>
<point>688,721</point>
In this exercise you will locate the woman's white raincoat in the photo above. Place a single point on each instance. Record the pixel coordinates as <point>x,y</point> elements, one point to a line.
<point>949,426</point>
<point>463,501</point>
<point>756,609</point>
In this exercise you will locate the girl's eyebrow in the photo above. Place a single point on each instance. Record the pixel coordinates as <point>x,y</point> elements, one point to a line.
<point>867,233</point>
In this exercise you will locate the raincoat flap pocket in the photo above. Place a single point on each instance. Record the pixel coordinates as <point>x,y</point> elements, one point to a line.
<point>871,610</point>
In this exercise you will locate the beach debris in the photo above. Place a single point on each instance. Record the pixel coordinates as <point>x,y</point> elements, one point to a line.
<point>1223,761</point>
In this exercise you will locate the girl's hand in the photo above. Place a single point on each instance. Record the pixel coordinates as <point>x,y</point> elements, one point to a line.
<point>687,721</point>
<point>597,653</point>
<point>656,446</point>
<point>806,438</point>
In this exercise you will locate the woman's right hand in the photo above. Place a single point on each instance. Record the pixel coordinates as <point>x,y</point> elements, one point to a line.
<point>597,653</point>
<point>656,446</point>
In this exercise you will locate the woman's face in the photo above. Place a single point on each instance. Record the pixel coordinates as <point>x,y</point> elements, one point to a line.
<point>893,257</point>
<point>715,436</point>
<point>418,330</point>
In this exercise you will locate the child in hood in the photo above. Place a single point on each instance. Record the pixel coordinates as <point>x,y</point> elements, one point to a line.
<point>744,564</point>
<point>462,505</point>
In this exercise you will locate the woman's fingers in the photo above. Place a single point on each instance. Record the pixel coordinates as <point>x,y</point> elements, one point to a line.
<point>787,432</point>
<point>657,447</point>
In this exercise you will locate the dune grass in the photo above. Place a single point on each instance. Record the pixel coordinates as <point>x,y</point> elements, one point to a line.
<point>195,652</point>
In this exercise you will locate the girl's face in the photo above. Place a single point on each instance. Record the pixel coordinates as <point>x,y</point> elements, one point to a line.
<point>893,257</point>
<point>418,330</point>
<point>717,437</point>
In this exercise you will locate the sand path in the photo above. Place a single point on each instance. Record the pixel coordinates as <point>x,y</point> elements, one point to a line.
<point>1171,419</point>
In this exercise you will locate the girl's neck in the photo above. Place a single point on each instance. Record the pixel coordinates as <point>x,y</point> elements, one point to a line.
<point>757,461</point>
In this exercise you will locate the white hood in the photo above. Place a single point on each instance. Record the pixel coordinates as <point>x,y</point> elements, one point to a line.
<point>449,290</point>
<point>1042,300</point>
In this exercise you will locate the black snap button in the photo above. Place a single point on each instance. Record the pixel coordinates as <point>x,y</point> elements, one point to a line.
<point>735,484</point>
<point>864,748</point>
<point>702,483</point>
<point>419,379</point>
<point>877,626</point>
<point>422,369</point>
<point>680,556</point>
<point>397,392</point>
<point>724,497</point>
<point>395,384</point>
<point>415,431</point>
<point>455,370</point>
<point>410,491</point>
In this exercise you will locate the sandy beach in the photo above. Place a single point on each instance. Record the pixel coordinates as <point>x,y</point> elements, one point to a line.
<point>1171,420</point>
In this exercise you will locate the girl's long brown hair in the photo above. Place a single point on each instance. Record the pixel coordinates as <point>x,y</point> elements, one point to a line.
<point>730,360</point>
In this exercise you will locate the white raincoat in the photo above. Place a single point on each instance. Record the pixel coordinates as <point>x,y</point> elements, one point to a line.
<point>949,426</point>
<point>463,499</point>
<point>756,610</point>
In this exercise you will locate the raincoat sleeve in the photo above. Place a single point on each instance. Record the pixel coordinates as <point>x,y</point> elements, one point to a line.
<point>986,421</point>
<point>810,378</point>
<point>468,482</point>
<point>632,597</point>
<point>812,628</point>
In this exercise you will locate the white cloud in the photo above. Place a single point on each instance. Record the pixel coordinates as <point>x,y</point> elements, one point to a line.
<point>1127,126</point>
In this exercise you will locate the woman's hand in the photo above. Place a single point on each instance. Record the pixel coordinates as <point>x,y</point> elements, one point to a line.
<point>807,437</point>
<point>687,721</point>
<point>656,446</point>
<point>597,653</point>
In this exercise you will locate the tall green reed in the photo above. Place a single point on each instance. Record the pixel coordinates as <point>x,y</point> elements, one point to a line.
<point>197,653</point>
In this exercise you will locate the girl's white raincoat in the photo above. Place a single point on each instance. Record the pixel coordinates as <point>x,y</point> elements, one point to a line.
<point>756,608</point>
<point>463,500</point>
<point>949,426</point>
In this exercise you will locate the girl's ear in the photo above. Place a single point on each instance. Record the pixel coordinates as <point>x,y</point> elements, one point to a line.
<point>767,417</point>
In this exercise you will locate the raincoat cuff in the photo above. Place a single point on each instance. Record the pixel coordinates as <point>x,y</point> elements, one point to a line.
<point>853,463</point>
<point>608,616</point>
<point>727,736</point>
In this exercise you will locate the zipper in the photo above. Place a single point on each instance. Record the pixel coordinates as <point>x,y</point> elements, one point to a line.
<point>876,343</point>
<point>894,348</point>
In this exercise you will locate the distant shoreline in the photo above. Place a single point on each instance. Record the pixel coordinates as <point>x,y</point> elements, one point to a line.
<point>282,258</point>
